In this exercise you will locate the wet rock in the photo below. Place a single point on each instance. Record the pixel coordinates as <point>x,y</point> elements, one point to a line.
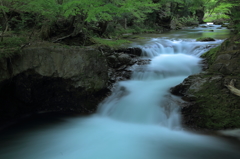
<point>113,61</point>
<point>125,59</point>
<point>130,51</point>
<point>189,86</point>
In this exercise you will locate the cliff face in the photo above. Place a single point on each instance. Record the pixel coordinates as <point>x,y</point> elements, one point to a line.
<point>211,104</point>
<point>57,78</point>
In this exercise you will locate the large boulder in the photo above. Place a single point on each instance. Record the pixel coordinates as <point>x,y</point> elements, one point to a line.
<point>211,105</point>
<point>52,78</point>
<point>49,77</point>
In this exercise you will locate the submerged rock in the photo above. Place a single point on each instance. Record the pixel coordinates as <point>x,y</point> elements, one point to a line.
<point>205,39</point>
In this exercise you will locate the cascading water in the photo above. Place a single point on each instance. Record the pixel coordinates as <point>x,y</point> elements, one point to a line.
<point>140,120</point>
<point>143,98</point>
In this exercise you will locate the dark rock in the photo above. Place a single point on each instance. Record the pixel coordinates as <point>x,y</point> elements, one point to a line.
<point>205,39</point>
<point>125,59</point>
<point>131,51</point>
<point>113,61</point>
<point>52,79</point>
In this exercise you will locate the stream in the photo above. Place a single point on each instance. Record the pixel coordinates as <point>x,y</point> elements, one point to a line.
<point>140,120</point>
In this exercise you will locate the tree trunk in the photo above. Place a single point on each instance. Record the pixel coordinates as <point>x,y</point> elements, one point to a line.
<point>5,26</point>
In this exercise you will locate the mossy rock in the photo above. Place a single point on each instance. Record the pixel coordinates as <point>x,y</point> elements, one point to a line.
<point>211,55</point>
<point>216,107</point>
<point>205,39</point>
<point>225,25</point>
<point>212,106</point>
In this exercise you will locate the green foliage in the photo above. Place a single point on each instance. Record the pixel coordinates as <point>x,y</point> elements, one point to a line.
<point>216,10</point>
<point>107,18</point>
<point>216,16</point>
<point>12,42</point>
<point>109,42</point>
<point>236,17</point>
<point>10,46</point>
<point>97,10</point>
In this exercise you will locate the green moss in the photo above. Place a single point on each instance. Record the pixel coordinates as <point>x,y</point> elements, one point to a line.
<point>227,42</point>
<point>217,110</point>
<point>109,42</point>
<point>211,55</point>
<point>205,39</point>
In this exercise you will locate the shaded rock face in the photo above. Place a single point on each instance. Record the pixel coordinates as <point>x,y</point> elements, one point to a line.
<point>210,104</point>
<point>59,79</point>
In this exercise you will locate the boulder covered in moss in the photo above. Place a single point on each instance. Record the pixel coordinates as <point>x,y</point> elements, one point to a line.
<point>211,105</point>
<point>205,39</point>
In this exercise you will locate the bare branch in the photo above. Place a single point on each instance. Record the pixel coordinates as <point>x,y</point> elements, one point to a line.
<point>232,88</point>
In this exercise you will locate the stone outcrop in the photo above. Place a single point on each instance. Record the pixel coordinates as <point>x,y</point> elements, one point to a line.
<point>56,78</point>
<point>211,105</point>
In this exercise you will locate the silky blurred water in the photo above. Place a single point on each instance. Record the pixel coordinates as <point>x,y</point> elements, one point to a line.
<point>140,120</point>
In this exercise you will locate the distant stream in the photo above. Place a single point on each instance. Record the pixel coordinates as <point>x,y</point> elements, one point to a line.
<point>140,120</point>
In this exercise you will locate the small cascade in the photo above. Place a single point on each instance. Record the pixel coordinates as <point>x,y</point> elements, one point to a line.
<point>158,46</point>
<point>168,65</point>
<point>149,86</point>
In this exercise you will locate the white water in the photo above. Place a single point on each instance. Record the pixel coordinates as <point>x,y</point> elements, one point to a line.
<point>140,120</point>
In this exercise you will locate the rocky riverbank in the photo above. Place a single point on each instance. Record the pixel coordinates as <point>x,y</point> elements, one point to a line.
<point>211,105</point>
<point>57,78</point>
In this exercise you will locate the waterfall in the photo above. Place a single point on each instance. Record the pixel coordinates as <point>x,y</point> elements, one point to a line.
<point>145,98</point>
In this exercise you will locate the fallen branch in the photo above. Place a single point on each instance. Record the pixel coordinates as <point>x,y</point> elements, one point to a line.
<point>24,45</point>
<point>62,38</point>
<point>232,88</point>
